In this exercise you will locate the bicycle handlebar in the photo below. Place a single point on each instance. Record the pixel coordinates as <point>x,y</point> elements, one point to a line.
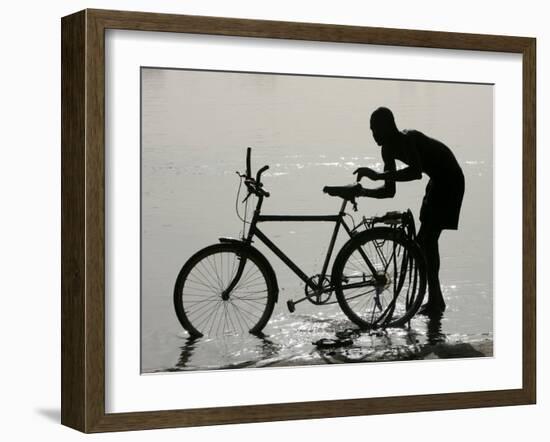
<point>248,168</point>
<point>254,186</point>
<point>259,174</point>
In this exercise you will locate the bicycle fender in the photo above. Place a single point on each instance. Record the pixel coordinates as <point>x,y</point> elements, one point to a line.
<point>254,251</point>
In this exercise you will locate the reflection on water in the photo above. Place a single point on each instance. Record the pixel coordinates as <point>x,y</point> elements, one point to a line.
<point>434,334</point>
<point>422,339</point>
<point>233,352</point>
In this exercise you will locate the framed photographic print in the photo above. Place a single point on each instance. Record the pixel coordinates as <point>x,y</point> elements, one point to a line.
<point>271,220</point>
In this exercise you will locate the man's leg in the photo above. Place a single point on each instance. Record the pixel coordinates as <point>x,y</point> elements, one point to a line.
<point>428,238</point>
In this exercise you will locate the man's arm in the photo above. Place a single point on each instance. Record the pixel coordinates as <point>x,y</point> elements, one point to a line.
<point>388,189</point>
<point>412,172</point>
<point>408,173</point>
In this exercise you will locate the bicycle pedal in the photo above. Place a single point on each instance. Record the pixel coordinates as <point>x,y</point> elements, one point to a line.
<point>291,306</point>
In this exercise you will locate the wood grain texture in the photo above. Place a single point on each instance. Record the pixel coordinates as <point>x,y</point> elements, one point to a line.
<point>95,221</point>
<point>73,256</point>
<point>83,220</point>
<point>307,410</point>
<point>529,220</point>
<point>144,21</point>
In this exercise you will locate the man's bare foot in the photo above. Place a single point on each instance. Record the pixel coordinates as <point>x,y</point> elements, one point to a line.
<point>431,309</point>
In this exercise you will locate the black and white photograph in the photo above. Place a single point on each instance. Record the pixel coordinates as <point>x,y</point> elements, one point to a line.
<point>294,220</point>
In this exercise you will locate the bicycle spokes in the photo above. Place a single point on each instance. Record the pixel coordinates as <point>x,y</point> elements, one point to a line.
<point>224,292</point>
<point>393,282</point>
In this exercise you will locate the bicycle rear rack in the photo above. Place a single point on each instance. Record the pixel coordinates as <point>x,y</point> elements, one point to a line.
<point>403,221</point>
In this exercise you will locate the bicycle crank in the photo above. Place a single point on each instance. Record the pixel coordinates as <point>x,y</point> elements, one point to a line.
<point>318,291</point>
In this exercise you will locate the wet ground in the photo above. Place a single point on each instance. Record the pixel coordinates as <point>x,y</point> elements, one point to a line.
<point>313,340</point>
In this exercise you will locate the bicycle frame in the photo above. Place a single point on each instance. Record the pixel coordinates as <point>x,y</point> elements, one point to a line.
<point>338,219</point>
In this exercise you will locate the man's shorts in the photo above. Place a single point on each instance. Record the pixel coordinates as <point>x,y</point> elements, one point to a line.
<point>442,201</point>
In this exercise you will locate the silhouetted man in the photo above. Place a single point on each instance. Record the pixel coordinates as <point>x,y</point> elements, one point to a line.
<point>443,199</point>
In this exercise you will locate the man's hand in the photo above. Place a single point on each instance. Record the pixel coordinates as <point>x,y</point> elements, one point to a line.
<point>366,172</point>
<point>347,192</point>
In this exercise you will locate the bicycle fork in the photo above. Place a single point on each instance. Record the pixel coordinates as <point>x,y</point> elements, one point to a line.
<point>236,278</point>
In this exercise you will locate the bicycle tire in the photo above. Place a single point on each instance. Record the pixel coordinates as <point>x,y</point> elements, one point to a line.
<point>383,304</point>
<point>198,292</point>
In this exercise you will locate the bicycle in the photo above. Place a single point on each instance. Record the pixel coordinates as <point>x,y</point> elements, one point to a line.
<point>378,275</point>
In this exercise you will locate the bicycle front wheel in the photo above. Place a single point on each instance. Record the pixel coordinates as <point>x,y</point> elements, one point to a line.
<point>224,289</point>
<point>379,278</point>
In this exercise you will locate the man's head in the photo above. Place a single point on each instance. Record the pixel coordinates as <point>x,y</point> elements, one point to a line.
<point>383,125</point>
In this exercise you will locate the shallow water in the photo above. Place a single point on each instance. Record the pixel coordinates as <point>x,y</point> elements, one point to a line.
<point>189,186</point>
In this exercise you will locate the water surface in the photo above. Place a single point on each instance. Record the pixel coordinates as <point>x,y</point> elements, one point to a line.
<point>312,131</point>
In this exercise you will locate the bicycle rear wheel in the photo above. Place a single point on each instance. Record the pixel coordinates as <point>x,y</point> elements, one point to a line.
<point>390,295</point>
<point>205,309</point>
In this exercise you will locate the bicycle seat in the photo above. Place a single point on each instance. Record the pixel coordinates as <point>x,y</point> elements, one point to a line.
<point>349,192</point>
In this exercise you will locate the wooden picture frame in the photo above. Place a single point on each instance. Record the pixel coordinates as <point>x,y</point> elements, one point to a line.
<point>83,220</point>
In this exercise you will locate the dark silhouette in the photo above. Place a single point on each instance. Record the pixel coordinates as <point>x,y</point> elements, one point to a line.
<point>444,192</point>
<point>434,334</point>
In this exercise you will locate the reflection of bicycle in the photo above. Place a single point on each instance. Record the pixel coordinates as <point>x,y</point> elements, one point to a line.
<point>378,276</point>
